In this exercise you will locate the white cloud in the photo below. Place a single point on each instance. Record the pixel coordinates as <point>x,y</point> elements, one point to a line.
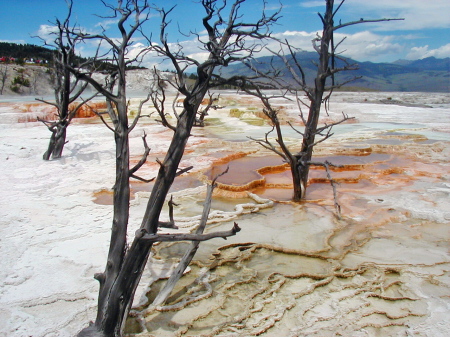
<point>313,3</point>
<point>47,33</point>
<point>368,46</point>
<point>298,39</point>
<point>137,50</point>
<point>361,46</point>
<point>200,56</point>
<point>105,24</point>
<point>423,52</point>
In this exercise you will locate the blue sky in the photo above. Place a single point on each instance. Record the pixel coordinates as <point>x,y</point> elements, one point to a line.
<point>425,31</point>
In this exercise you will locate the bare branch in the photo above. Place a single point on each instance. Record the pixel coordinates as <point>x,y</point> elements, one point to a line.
<point>329,126</point>
<point>363,21</point>
<point>326,164</point>
<point>48,102</point>
<point>190,252</point>
<point>171,222</point>
<point>181,171</point>
<point>143,158</point>
<point>267,144</point>
<point>188,237</point>
<point>141,179</point>
<point>49,124</point>
<point>104,121</point>
<point>139,112</point>
<point>158,97</point>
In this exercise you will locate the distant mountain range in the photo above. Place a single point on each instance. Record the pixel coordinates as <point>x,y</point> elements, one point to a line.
<point>427,75</point>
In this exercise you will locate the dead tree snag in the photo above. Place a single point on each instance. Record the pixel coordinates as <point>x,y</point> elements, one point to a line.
<point>317,96</point>
<point>67,88</point>
<point>225,43</point>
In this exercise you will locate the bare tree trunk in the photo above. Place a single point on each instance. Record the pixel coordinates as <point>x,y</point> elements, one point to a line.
<point>51,145</point>
<point>56,142</point>
<point>301,178</point>
<point>60,141</point>
<point>317,96</point>
<point>57,139</point>
<point>108,298</point>
<point>298,180</point>
<point>58,131</point>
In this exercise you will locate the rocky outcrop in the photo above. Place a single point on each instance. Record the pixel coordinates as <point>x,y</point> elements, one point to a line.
<point>24,80</point>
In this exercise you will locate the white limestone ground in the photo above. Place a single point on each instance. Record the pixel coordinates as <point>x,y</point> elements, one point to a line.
<point>54,237</point>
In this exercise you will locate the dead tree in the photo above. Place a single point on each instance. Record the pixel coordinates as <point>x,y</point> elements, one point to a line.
<point>318,96</point>
<point>158,98</point>
<point>226,42</point>
<point>114,301</point>
<point>67,89</point>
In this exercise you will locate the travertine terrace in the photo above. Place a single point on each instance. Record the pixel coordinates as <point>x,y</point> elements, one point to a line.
<point>293,270</point>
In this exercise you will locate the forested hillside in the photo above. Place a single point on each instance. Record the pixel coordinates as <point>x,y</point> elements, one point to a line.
<point>24,51</point>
